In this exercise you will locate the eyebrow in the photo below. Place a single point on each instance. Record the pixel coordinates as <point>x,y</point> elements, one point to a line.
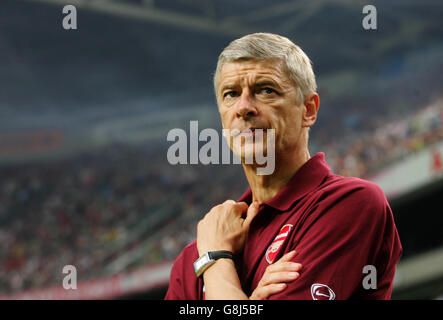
<point>229,86</point>
<point>263,83</point>
<point>259,83</point>
<point>267,83</point>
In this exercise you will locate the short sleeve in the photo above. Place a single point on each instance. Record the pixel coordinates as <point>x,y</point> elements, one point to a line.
<point>175,289</point>
<point>183,284</point>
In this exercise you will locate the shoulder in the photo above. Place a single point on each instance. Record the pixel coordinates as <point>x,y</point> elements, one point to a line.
<point>189,253</point>
<point>350,197</point>
<point>183,268</point>
<point>352,189</point>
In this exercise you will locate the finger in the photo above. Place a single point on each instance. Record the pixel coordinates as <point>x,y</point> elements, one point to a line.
<point>251,213</point>
<point>243,206</point>
<point>288,256</point>
<point>279,277</point>
<point>284,266</point>
<point>267,291</point>
<point>240,206</point>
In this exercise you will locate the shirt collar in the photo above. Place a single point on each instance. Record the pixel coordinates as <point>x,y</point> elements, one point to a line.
<point>307,178</point>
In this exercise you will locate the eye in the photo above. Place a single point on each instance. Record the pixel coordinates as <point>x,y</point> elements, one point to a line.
<point>267,90</point>
<point>230,94</point>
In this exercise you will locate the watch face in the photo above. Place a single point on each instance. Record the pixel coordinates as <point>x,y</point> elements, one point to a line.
<point>202,263</point>
<point>208,259</point>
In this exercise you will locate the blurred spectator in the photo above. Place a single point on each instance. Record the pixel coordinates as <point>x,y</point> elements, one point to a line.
<point>91,209</point>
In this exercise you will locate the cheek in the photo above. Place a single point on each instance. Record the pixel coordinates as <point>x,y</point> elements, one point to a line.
<point>224,117</point>
<point>288,129</point>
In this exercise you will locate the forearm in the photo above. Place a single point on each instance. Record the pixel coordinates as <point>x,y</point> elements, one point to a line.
<point>224,227</point>
<point>222,282</point>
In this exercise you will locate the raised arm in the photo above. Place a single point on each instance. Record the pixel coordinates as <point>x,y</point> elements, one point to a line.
<point>225,227</point>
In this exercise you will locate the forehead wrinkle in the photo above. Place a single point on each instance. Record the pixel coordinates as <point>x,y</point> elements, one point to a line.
<point>251,72</point>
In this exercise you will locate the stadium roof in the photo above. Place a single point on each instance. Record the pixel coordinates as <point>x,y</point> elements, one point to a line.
<point>132,54</point>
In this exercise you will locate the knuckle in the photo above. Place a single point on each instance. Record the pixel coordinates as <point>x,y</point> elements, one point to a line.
<point>263,294</point>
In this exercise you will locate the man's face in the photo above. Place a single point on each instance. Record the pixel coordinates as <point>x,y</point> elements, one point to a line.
<point>256,94</point>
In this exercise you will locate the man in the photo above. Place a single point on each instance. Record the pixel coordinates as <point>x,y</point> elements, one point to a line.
<point>300,232</point>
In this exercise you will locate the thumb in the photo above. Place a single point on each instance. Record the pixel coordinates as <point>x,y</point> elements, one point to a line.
<point>251,213</point>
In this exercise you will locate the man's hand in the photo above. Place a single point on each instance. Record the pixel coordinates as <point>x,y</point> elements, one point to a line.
<point>276,276</point>
<point>225,227</point>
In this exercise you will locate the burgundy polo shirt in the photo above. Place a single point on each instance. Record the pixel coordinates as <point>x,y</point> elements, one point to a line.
<point>342,229</point>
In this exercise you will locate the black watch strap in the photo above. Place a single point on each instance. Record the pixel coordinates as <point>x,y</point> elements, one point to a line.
<point>208,259</point>
<point>214,255</point>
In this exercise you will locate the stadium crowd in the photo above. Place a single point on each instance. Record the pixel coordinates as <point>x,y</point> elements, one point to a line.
<point>83,211</point>
<point>365,153</point>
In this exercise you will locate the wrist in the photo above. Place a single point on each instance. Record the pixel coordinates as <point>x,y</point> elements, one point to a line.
<point>208,248</point>
<point>206,260</point>
<point>217,267</point>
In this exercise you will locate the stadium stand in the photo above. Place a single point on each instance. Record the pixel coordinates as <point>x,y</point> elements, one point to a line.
<point>126,207</point>
<point>84,179</point>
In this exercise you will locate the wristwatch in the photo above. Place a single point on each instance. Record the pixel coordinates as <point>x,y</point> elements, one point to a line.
<point>208,259</point>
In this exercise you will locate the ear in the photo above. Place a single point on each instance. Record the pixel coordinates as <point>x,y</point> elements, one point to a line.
<point>312,103</point>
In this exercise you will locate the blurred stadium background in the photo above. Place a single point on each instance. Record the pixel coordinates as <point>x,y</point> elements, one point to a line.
<point>84,115</point>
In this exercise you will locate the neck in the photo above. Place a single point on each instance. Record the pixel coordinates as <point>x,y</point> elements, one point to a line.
<point>264,187</point>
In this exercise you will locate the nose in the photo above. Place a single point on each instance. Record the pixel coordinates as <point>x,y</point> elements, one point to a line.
<point>245,107</point>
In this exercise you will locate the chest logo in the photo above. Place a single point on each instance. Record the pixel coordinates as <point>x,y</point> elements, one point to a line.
<point>273,249</point>
<point>321,292</point>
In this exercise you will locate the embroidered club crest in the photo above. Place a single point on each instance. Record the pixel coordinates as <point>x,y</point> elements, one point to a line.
<point>275,246</point>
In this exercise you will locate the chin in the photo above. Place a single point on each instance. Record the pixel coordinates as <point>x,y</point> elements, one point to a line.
<point>249,153</point>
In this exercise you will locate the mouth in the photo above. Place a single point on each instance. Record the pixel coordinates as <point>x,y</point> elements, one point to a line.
<point>246,132</point>
<point>251,131</point>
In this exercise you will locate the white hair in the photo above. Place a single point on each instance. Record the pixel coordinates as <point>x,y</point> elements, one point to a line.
<point>264,46</point>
